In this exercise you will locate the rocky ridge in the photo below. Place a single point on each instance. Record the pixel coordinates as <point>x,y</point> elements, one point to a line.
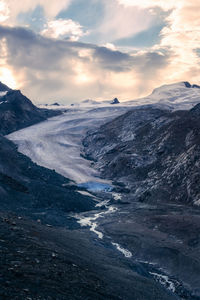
<point>17,111</point>
<point>154,152</point>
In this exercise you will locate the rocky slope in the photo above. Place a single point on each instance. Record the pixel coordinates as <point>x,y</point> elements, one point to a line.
<point>153,158</point>
<point>17,111</point>
<point>42,262</point>
<point>155,153</point>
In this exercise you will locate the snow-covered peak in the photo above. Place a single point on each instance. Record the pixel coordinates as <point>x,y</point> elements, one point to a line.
<point>181,95</point>
<point>176,96</point>
<point>174,91</point>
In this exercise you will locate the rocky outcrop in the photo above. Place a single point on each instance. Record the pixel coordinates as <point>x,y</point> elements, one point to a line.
<point>4,88</point>
<point>188,85</point>
<point>155,153</point>
<point>115,101</point>
<point>17,111</point>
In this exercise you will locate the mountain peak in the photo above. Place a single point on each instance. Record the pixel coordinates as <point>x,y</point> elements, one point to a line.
<point>188,85</point>
<point>115,101</point>
<point>4,88</point>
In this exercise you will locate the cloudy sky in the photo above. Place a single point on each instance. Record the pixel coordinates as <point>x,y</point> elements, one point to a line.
<point>71,50</point>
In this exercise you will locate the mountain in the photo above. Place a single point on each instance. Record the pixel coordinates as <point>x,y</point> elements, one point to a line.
<point>23,184</point>
<point>154,152</point>
<point>17,111</point>
<point>46,255</point>
<point>4,88</point>
<point>27,186</point>
<point>152,156</point>
<point>176,96</point>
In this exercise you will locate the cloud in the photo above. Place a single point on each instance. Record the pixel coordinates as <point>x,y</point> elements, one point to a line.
<point>50,69</point>
<point>121,21</point>
<point>64,28</point>
<point>165,5</point>
<point>13,9</point>
<point>180,36</point>
<point>4,12</point>
<point>70,70</point>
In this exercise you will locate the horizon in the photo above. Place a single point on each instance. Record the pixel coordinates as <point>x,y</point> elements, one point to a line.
<point>105,100</point>
<point>79,49</point>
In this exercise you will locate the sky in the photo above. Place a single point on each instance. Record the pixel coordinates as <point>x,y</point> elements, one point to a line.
<point>70,50</point>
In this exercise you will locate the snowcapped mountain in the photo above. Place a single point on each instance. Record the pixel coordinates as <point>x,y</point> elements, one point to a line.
<point>177,96</point>
<point>56,143</point>
<point>145,152</point>
<point>64,134</point>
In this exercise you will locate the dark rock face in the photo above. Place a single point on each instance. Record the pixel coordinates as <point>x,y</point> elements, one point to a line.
<point>17,111</point>
<point>115,101</point>
<point>153,157</point>
<point>188,85</point>
<point>4,88</point>
<point>56,104</point>
<point>154,152</point>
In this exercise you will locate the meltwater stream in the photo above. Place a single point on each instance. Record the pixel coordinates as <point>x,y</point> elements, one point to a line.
<point>91,222</point>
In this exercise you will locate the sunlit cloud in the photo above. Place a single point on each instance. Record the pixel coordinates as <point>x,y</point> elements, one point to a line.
<point>166,5</point>
<point>7,76</point>
<point>73,71</point>
<point>110,46</point>
<point>13,8</point>
<point>4,11</point>
<point>182,37</point>
<point>119,21</point>
<point>55,61</point>
<point>64,28</point>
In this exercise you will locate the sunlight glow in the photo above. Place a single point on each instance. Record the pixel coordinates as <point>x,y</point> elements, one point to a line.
<point>82,74</point>
<point>7,78</point>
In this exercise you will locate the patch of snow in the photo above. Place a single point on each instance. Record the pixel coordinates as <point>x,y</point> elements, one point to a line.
<point>146,262</point>
<point>124,251</point>
<point>116,196</point>
<point>3,93</point>
<point>164,280</point>
<point>197,202</point>
<point>3,102</point>
<point>84,193</point>
<point>102,203</point>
